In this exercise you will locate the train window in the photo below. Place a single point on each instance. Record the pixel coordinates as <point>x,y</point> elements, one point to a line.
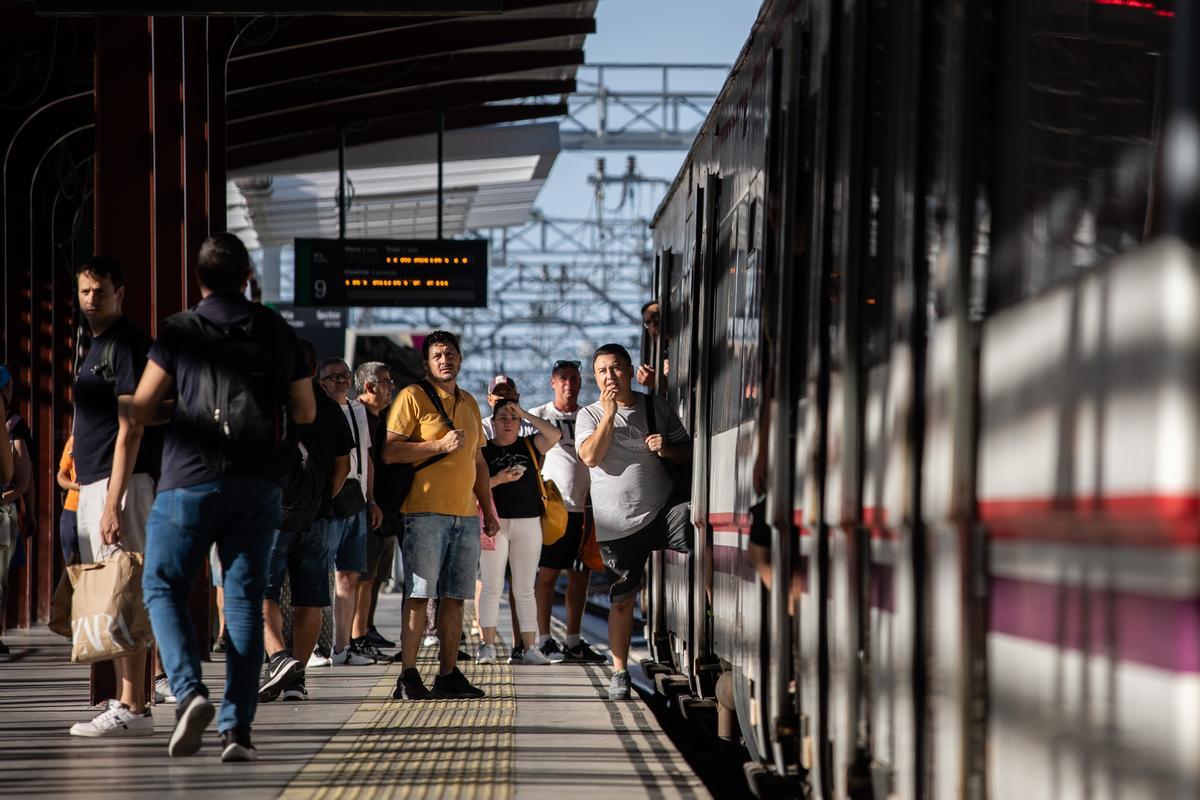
<point>1082,92</point>
<point>724,360</point>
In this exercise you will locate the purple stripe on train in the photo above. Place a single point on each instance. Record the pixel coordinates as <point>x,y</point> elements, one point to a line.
<point>1159,632</point>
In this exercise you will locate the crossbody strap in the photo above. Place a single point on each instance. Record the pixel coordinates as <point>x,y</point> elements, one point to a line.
<point>441,409</point>
<point>357,441</point>
<point>536,469</point>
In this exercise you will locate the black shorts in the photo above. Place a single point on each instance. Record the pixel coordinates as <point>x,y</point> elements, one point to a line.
<point>564,553</point>
<point>381,552</point>
<point>625,558</point>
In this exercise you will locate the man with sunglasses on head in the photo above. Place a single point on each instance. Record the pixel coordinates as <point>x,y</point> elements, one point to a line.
<point>570,475</point>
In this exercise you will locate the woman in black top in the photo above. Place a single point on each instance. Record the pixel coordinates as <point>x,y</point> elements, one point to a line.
<point>513,462</point>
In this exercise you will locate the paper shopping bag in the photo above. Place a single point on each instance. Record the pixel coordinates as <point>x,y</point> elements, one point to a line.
<point>60,606</point>
<point>108,618</point>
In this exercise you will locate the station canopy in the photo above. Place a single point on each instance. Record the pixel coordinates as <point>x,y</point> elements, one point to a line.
<point>300,86</point>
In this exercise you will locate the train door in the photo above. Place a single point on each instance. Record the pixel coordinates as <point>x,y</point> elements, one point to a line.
<point>789,206</point>
<point>1089,390</point>
<point>672,576</point>
<point>887,352</point>
<point>706,666</point>
<point>951,582</point>
<point>813,441</point>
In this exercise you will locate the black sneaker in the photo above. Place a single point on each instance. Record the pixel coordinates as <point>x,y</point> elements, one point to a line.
<point>192,716</point>
<point>221,644</point>
<point>4,650</point>
<point>582,653</point>
<point>376,638</point>
<point>552,651</point>
<point>236,746</point>
<point>618,685</point>
<point>455,686</point>
<point>410,687</point>
<point>517,656</point>
<point>295,691</point>
<point>463,655</point>
<point>361,647</point>
<point>282,671</point>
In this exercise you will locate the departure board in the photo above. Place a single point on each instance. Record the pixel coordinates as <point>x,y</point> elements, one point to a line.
<point>391,272</point>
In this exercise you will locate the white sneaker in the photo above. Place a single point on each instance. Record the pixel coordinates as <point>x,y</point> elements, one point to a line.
<point>349,657</point>
<point>116,721</point>
<point>430,640</point>
<point>534,657</point>
<point>162,691</point>
<point>319,659</point>
<point>487,654</point>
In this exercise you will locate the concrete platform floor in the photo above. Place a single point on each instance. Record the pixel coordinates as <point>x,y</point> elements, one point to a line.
<point>543,732</point>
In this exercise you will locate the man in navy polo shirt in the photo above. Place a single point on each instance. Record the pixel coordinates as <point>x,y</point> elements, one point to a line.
<point>214,488</point>
<point>115,488</point>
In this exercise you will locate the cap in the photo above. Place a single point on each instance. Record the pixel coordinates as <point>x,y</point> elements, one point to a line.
<point>5,376</point>
<point>499,379</point>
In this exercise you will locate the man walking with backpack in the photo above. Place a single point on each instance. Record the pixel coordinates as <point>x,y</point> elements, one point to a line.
<point>114,467</point>
<point>241,383</point>
<point>435,426</point>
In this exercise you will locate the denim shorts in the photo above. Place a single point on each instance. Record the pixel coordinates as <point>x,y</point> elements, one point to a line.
<point>347,542</point>
<point>303,556</point>
<point>441,556</point>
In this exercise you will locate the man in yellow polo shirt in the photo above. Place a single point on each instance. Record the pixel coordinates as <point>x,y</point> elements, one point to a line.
<point>441,520</point>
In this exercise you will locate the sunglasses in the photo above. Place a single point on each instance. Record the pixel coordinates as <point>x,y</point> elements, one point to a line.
<point>566,364</point>
<point>338,376</point>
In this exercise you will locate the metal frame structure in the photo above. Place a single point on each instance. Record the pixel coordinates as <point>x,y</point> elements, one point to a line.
<point>605,116</point>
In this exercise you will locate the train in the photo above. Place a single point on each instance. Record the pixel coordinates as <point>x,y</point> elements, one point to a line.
<point>929,298</point>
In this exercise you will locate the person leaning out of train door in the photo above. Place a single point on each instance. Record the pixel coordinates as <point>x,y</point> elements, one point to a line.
<point>647,375</point>
<point>625,440</point>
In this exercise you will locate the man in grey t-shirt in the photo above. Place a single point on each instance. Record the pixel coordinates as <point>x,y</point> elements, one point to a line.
<point>631,489</point>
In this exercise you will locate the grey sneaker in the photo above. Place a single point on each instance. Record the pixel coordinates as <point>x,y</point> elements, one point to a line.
<point>618,685</point>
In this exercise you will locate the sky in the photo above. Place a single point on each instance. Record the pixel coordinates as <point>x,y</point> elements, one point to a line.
<point>674,31</point>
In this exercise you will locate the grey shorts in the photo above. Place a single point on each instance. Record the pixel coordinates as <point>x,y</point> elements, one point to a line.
<point>139,496</point>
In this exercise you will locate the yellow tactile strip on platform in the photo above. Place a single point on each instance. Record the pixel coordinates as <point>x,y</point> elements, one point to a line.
<point>428,749</point>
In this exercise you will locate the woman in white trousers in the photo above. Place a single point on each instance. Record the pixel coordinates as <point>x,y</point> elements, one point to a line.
<point>513,462</point>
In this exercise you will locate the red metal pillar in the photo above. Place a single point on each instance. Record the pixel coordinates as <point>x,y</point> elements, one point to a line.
<point>197,106</point>
<point>167,199</point>
<point>124,184</point>
<point>124,165</point>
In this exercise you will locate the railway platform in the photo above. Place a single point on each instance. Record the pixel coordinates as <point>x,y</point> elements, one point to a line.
<point>541,732</point>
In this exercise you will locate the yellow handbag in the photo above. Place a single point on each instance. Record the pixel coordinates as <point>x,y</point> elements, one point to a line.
<point>554,511</point>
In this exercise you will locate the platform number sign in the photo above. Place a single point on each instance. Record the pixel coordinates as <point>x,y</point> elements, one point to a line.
<point>391,272</point>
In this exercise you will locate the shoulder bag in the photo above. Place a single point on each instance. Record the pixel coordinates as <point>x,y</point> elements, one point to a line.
<point>554,511</point>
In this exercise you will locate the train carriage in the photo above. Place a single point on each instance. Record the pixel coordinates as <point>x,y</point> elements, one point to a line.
<point>937,260</point>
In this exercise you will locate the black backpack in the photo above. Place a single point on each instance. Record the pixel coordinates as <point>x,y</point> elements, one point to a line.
<point>238,413</point>
<point>394,481</point>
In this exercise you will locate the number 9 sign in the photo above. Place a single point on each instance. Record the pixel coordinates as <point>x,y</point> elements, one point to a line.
<point>319,288</point>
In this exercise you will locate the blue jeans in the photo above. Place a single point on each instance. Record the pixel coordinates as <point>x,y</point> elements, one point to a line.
<point>441,556</point>
<point>347,542</point>
<point>240,515</point>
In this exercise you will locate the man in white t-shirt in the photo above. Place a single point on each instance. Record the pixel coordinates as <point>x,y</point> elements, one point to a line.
<point>350,523</point>
<point>500,388</point>
<point>570,475</point>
